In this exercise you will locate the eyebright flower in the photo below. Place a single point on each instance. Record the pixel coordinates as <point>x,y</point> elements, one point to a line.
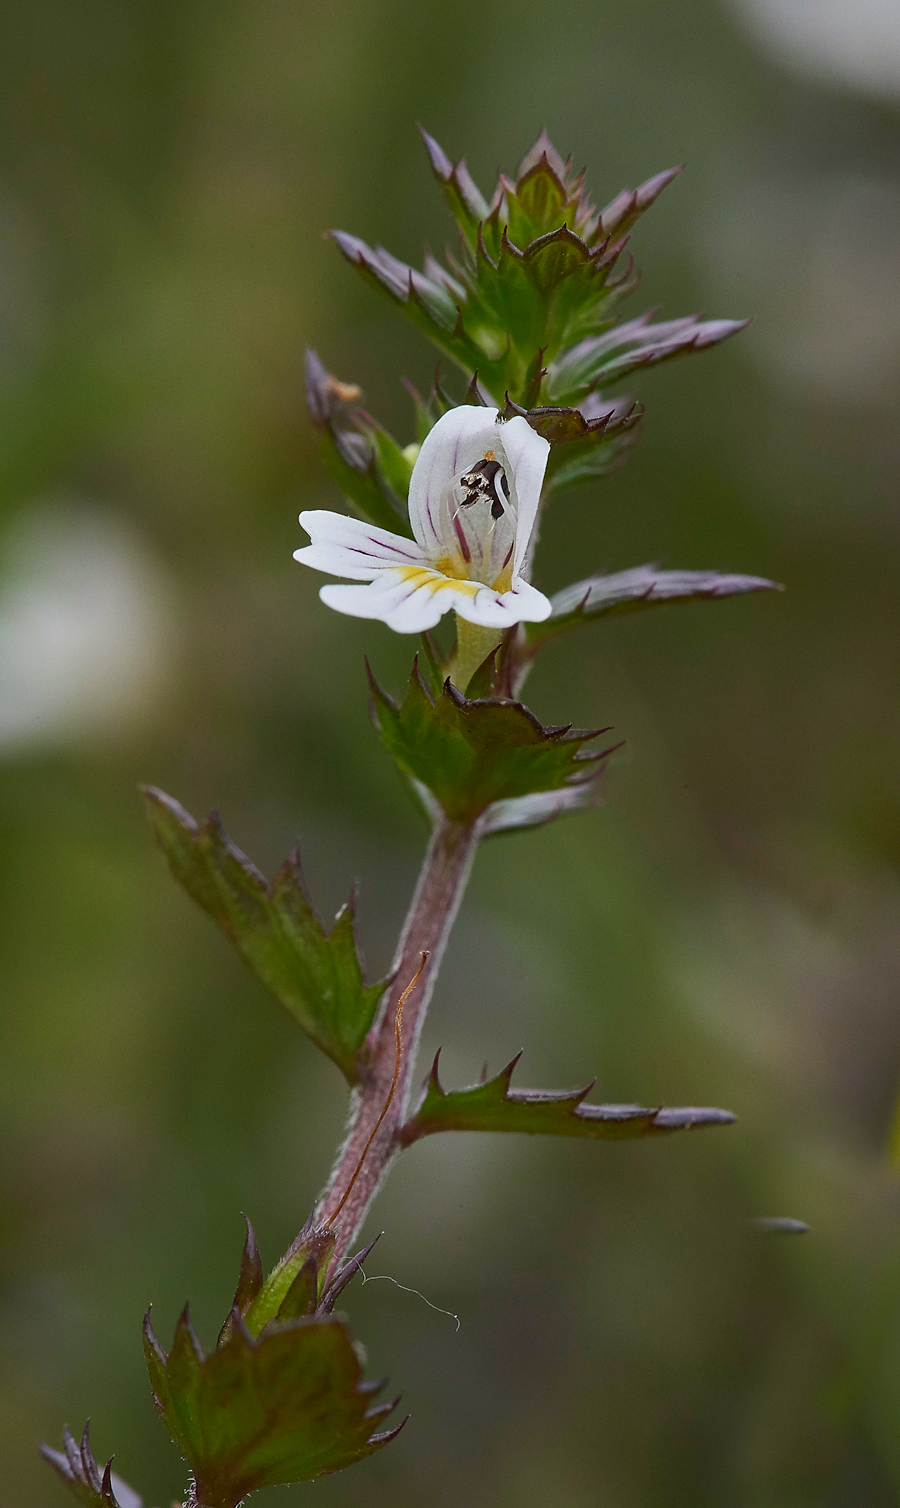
<point>473,504</point>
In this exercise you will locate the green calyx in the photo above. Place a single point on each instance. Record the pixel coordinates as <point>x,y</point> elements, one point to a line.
<point>368,465</point>
<point>473,754</point>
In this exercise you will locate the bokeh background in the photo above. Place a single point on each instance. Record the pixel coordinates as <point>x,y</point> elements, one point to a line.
<point>726,930</point>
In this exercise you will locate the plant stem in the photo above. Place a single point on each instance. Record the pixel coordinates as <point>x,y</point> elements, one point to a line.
<point>429,920</point>
<point>473,645</point>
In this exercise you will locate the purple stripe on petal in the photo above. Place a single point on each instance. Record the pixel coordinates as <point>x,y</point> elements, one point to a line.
<point>464,543</point>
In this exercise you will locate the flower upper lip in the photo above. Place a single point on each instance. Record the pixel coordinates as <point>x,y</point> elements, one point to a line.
<point>473,501</point>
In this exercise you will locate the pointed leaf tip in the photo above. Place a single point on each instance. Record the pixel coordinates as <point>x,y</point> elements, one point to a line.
<point>438,158</point>
<point>494,1106</point>
<point>287,1406</point>
<point>637,589</point>
<point>78,1469</point>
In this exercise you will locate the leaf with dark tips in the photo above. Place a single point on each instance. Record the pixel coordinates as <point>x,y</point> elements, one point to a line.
<point>628,206</point>
<point>471,754</point>
<point>635,590</point>
<point>599,360</point>
<point>287,1406</point>
<point>76,1466</point>
<point>316,975</point>
<point>494,1106</point>
<point>251,1276</point>
<point>344,1275</point>
<point>295,1281</point>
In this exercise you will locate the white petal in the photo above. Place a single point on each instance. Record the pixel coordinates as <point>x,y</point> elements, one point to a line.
<point>527,453</point>
<point>458,439</point>
<point>345,546</point>
<point>403,603</point>
<point>522,604</point>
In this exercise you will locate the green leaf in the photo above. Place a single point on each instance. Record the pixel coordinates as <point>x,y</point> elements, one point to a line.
<point>299,1284</point>
<point>392,463</point>
<point>316,975</point>
<point>494,1106</point>
<point>535,275</point>
<point>359,454</point>
<point>471,754</point>
<point>633,591</point>
<point>529,300</point>
<point>78,1469</point>
<point>287,1406</point>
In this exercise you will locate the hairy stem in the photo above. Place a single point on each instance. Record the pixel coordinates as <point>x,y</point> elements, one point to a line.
<point>364,1158</point>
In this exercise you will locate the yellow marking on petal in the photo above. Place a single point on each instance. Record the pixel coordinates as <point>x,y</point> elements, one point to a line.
<point>504,580</point>
<point>436,580</point>
<point>489,455</point>
<point>452,566</point>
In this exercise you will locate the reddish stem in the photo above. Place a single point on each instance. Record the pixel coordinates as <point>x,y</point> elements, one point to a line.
<point>379,1102</point>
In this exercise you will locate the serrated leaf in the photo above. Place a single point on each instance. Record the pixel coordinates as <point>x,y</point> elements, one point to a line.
<point>494,1106</point>
<point>586,442</point>
<point>76,1466</point>
<point>535,280</point>
<point>316,975</point>
<point>288,1406</point>
<point>472,754</point>
<point>600,360</point>
<point>633,591</point>
<point>535,274</point>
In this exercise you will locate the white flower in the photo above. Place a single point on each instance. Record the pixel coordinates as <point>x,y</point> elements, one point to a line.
<point>473,503</point>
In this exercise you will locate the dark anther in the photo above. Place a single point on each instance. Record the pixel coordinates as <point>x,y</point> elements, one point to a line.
<point>481,482</point>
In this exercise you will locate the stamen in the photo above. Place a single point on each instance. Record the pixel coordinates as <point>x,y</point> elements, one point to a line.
<point>481,482</point>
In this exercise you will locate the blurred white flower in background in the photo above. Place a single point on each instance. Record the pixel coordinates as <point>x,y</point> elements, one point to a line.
<point>855,43</point>
<point>85,626</point>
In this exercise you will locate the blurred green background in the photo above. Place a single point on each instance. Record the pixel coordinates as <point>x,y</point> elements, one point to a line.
<point>726,930</point>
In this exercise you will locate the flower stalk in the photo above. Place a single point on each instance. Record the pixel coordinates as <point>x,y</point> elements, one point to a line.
<point>473,645</point>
